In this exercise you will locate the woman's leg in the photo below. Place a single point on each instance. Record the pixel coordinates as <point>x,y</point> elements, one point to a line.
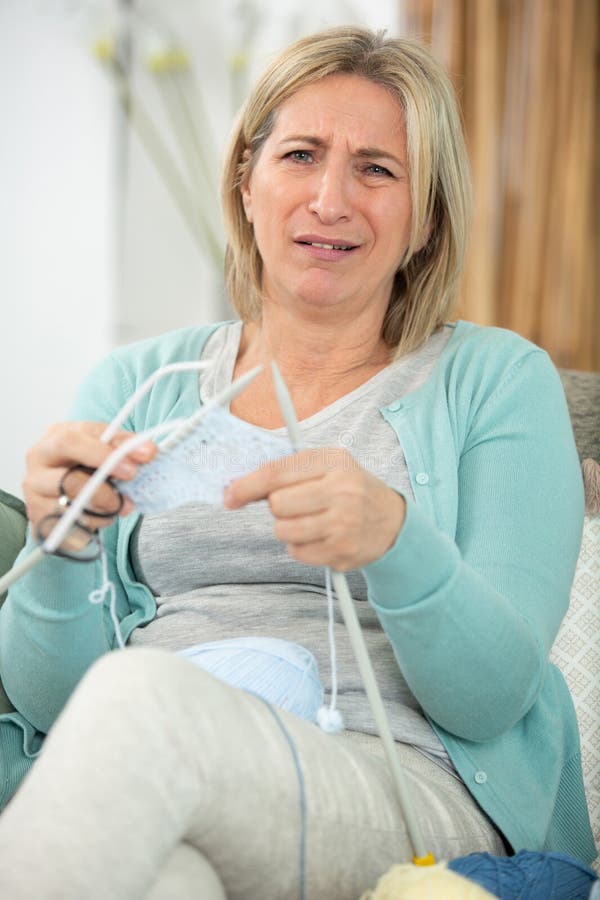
<point>152,752</point>
<point>187,875</point>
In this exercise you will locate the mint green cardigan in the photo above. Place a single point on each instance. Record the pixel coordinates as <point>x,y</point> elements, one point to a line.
<point>471,595</point>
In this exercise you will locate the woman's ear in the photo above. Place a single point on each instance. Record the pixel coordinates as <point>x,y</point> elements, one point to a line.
<point>245,187</point>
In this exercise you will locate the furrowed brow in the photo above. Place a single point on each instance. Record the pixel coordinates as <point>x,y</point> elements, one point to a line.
<point>303,139</point>
<point>376,153</point>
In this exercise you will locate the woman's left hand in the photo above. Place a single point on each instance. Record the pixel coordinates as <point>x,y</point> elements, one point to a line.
<point>328,510</point>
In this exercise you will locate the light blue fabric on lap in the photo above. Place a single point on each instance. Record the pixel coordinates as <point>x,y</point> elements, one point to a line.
<point>281,672</point>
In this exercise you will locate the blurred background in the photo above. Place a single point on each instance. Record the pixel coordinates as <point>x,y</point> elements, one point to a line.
<point>115,116</point>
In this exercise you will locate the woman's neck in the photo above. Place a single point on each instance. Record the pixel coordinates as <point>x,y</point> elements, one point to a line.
<point>319,365</point>
<point>313,350</point>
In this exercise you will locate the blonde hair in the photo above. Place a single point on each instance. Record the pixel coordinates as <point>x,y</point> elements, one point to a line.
<point>426,282</point>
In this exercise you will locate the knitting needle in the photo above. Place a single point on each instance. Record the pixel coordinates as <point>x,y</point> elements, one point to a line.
<point>223,398</point>
<point>421,855</point>
<point>109,433</point>
<point>182,429</point>
<point>38,553</point>
<point>20,569</point>
<point>69,518</point>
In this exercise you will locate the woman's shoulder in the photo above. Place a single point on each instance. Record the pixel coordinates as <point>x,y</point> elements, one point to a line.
<point>180,345</point>
<point>116,377</point>
<point>471,340</point>
<point>481,362</point>
<point>486,353</point>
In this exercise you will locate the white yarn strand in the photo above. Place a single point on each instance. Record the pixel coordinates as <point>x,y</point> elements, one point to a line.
<point>331,634</point>
<point>329,717</point>
<point>98,596</point>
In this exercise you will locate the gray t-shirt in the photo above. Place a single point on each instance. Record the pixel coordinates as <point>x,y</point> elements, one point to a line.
<point>220,574</point>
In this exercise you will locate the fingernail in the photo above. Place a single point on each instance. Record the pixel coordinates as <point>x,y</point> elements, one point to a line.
<point>143,452</point>
<point>125,470</point>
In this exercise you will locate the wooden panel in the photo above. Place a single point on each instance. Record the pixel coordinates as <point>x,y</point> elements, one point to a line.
<point>526,73</point>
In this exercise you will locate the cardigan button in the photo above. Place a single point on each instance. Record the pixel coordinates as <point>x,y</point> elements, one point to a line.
<point>480,777</point>
<point>422,478</point>
<point>394,407</point>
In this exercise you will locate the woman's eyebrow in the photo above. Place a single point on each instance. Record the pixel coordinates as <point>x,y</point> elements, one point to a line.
<point>304,139</point>
<point>376,153</point>
<point>362,152</point>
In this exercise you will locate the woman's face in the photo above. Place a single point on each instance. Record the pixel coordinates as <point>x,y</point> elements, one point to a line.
<point>329,197</point>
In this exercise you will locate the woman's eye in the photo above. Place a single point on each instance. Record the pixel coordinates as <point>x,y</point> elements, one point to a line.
<point>374,169</point>
<point>301,156</point>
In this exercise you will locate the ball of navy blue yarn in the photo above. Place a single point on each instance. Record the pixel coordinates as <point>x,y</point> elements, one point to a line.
<point>528,875</point>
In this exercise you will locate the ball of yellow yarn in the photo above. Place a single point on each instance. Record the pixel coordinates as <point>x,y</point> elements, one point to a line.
<point>408,882</point>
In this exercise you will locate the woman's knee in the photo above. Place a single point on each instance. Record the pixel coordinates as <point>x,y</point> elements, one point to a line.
<point>162,683</point>
<point>187,875</point>
<point>124,676</point>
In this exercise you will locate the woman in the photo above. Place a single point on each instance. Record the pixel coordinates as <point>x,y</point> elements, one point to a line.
<point>449,492</point>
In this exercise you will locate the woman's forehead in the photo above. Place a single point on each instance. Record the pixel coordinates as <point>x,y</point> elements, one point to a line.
<point>360,107</point>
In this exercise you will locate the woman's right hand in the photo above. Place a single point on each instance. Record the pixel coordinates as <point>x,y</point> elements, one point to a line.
<point>76,443</point>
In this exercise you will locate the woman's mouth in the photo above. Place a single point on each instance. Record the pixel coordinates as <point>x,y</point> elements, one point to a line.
<point>328,246</point>
<point>324,249</point>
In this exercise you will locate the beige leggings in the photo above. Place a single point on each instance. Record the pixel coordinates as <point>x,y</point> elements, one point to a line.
<point>158,781</point>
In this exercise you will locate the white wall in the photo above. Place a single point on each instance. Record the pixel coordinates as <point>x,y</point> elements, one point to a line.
<point>55,223</point>
<point>166,282</point>
<point>66,298</point>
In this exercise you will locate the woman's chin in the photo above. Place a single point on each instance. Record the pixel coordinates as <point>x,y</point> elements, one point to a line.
<point>325,295</point>
<point>320,294</point>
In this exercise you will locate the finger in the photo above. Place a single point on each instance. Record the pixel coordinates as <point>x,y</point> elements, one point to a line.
<point>69,442</point>
<point>302,529</point>
<point>104,499</point>
<point>49,483</point>
<point>293,469</point>
<point>319,553</point>
<point>306,498</point>
<point>43,483</point>
<point>94,523</point>
<point>143,453</point>
<point>41,492</point>
<point>128,507</point>
<point>79,443</point>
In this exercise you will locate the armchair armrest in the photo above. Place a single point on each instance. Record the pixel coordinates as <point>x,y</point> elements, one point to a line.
<point>13,525</point>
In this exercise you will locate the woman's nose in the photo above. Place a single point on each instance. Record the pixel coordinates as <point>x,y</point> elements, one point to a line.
<point>331,195</point>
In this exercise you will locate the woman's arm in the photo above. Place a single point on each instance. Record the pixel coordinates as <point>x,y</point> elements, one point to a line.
<point>472,621</point>
<point>50,633</point>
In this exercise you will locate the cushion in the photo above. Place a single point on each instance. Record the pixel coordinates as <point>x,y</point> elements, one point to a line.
<point>576,652</point>
<point>582,390</point>
<point>13,523</point>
